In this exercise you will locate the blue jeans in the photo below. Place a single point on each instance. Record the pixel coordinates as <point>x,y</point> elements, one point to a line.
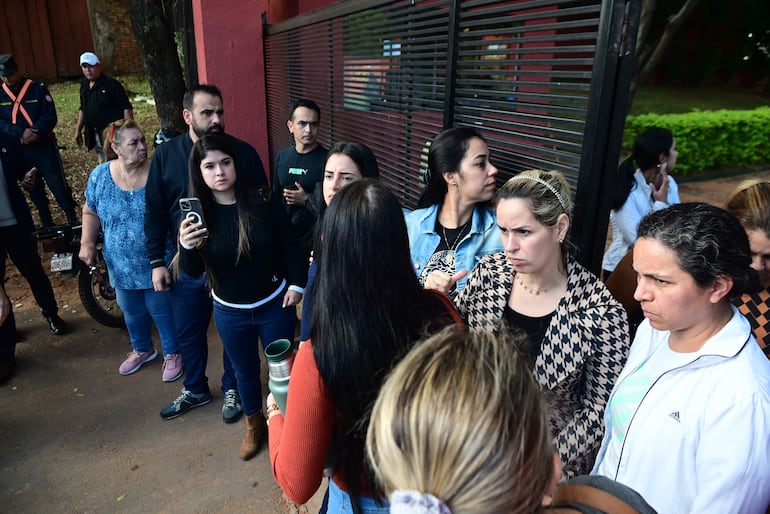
<point>191,305</point>
<point>308,306</point>
<point>239,330</point>
<point>339,503</point>
<point>140,308</point>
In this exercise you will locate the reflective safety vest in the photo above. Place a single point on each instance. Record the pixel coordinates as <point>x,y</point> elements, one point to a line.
<point>17,99</point>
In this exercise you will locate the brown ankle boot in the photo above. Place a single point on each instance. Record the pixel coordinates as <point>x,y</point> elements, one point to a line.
<point>255,433</point>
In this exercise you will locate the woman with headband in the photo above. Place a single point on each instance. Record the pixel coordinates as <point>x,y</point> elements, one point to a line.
<point>577,332</point>
<point>434,451</point>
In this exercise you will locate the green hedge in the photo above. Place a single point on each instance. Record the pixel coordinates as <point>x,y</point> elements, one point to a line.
<point>710,139</point>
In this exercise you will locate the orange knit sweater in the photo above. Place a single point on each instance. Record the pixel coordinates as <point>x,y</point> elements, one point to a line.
<point>300,438</point>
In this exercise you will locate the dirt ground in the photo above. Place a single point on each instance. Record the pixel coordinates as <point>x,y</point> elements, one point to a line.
<point>75,436</point>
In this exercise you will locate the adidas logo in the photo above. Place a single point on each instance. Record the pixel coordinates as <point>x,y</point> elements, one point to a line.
<point>675,415</point>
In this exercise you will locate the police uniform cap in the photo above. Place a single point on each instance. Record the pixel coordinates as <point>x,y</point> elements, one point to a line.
<point>7,65</point>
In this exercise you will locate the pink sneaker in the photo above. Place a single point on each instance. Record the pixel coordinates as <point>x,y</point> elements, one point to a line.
<point>135,360</point>
<point>173,367</point>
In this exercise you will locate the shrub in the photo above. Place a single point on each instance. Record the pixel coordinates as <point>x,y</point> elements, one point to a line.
<point>710,139</point>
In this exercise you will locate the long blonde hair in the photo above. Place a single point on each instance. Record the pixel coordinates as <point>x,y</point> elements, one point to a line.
<point>462,418</point>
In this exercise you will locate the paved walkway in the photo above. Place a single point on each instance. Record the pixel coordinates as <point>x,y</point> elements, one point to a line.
<point>715,190</point>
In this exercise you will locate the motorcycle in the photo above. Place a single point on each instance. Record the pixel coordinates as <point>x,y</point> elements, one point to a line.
<point>96,293</point>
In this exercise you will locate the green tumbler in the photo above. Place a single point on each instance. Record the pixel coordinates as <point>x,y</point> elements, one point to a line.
<point>280,357</point>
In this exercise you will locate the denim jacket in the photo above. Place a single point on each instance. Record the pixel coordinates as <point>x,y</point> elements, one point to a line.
<point>483,239</point>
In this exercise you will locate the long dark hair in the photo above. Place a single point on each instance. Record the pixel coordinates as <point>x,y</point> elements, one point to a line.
<point>369,309</point>
<point>246,193</point>
<point>445,154</point>
<point>647,149</point>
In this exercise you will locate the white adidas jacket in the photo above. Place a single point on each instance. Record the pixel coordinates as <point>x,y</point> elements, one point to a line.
<point>700,438</point>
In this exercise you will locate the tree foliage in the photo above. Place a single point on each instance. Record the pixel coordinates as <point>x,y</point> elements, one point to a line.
<point>703,41</point>
<point>649,54</point>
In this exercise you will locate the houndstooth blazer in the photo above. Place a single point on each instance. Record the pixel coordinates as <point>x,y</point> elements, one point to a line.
<point>584,350</point>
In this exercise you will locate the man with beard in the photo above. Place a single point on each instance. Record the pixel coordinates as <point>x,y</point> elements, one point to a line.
<point>190,301</point>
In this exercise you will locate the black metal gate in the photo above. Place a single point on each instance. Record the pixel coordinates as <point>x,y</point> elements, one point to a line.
<point>545,81</point>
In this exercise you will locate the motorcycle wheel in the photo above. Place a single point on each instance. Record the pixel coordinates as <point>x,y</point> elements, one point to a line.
<point>98,296</point>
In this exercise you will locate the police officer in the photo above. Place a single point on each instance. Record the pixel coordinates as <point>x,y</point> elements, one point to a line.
<point>16,242</point>
<point>27,112</point>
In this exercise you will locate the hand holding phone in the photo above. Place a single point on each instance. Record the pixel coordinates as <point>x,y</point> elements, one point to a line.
<point>193,210</point>
<point>660,176</point>
<point>659,184</point>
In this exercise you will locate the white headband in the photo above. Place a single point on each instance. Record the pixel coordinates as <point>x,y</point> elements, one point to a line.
<point>546,184</point>
<point>415,502</point>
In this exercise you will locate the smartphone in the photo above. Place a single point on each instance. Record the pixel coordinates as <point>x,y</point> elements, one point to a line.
<point>657,180</point>
<point>191,208</point>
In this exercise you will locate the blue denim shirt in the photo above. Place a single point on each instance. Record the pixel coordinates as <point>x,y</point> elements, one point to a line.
<point>483,239</point>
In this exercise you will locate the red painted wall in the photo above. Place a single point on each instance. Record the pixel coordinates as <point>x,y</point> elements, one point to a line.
<point>231,56</point>
<point>309,5</point>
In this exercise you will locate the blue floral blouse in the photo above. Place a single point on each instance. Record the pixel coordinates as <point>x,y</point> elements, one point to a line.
<point>122,216</point>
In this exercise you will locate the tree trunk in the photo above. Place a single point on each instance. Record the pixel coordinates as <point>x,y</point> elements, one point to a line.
<point>647,66</point>
<point>154,34</point>
<point>648,10</point>
<point>648,56</point>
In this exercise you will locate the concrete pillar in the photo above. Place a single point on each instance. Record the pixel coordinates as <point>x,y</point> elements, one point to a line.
<point>231,56</point>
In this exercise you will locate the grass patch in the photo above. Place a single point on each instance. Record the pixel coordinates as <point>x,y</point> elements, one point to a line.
<point>683,99</point>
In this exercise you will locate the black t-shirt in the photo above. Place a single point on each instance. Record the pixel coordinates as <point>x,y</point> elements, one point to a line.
<point>534,327</point>
<point>308,170</point>
<point>102,104</point>
<point>443,258</point>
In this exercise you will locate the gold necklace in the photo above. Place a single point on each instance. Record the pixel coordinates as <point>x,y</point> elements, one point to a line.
<point>450,255</point>
<point>537,292</point>
<point>132,187</point>
<point>460,233</point>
